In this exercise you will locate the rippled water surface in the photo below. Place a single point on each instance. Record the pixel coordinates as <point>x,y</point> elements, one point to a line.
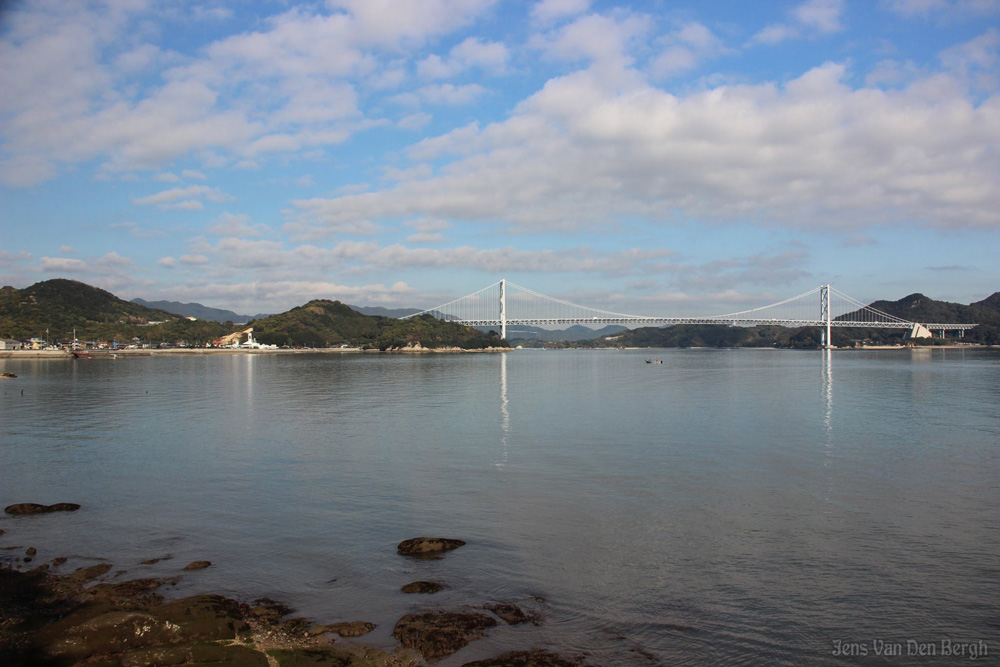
<point>725,506</point>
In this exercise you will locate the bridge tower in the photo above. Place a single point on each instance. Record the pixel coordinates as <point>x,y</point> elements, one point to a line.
<point>503,308</point>
<point>824,315</point>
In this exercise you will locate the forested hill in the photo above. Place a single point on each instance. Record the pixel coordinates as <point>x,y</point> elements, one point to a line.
<point>61,305</point>
<point>915,308</point>
<point>324,323</point>
<point>919,308</point>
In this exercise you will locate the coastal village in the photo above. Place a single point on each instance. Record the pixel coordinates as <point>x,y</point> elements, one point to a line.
<point>240,340</point>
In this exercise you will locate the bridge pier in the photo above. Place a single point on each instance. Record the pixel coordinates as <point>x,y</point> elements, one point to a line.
<point>503,308</point>
<point>825,315</point>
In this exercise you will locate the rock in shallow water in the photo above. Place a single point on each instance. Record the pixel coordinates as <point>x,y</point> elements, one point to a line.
<point>198,565</point>
<point>347,629</point>
<point>35,508</point>
<point>537,658</point>
<point>422,587</point>
<point>436,634</point>
<point>509,612</point>
<point>420,546</point>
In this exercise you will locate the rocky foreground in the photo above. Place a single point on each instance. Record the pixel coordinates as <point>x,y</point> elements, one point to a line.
<point>85,617</point>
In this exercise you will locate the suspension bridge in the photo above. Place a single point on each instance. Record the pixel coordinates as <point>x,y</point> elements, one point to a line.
<point>503,303</point>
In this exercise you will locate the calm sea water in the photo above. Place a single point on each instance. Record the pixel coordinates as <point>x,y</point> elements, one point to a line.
<point>725,506</point>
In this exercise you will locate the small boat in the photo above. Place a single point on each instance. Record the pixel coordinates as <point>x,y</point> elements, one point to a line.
<point>82,354</point>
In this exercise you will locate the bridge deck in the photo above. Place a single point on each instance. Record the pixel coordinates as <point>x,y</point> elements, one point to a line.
<point>660,321</point>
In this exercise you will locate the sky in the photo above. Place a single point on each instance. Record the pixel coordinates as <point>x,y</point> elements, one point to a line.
<point>659,158</point>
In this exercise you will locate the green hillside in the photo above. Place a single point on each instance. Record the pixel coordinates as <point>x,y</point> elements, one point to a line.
<point>61,305</point>
<point>324,323</point>
<point>915,308</point>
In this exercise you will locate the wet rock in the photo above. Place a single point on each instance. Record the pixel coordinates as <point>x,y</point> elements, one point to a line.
<point>64,507</point>
<point>85,574</point>
<point>93,631</point>
<point>56,562</point>
<point>268,610</point>
<point>436,634</point>
<point>30,551</point>
<point>35,508</point>
<point>198,565</point>
<point>351,628</point>
<point>421,546</point>
<point>509,612</point>
<point>153,561</point>
<point>537,658</point>
<point>136,591</point>
<point>26,508</point>
<point>205,617</point>
<point>423,587</point>
<point>110,633</point>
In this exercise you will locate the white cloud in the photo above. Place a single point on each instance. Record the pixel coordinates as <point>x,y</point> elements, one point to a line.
<point>976,61</point>
<point>811,153</point>
<point>953,9</point>
<point>414,121</point>
<point>110,271</point>
<point>68,265</point>
<point>491,57</point>
<point>809,18</point>
<point>602,40</point>
<point>73,93</point>
<point>393,24</point>
<point>193,175</point>
<point>238,225</point>
<point>450,94</point>
<point>184,198</point>
<point>139,232</point>
<point>548,11</point>
<point>684,48</point>
<point>820,15</point>
<point>428,230</point>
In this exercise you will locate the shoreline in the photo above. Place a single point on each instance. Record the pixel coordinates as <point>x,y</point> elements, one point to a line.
<point>196,351</point>
<point>199,351</point>
<point>67,612</point>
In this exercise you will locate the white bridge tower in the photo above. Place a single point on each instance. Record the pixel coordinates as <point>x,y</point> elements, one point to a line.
<point>503,308</point>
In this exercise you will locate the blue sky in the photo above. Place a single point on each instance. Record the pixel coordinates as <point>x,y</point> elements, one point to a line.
<point>662,158</point>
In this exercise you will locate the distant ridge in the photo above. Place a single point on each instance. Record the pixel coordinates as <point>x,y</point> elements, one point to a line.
<point>576,332</point>
<point>384,312</point>
<point>203,312</point>
<point>199,311</point>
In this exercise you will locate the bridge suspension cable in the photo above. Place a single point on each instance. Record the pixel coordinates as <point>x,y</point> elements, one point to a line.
<point>504,303</point>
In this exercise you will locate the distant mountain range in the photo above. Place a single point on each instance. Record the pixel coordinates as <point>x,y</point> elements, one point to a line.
<point>199,311</point>
<point>522,334</point>
<point>221,315</point>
